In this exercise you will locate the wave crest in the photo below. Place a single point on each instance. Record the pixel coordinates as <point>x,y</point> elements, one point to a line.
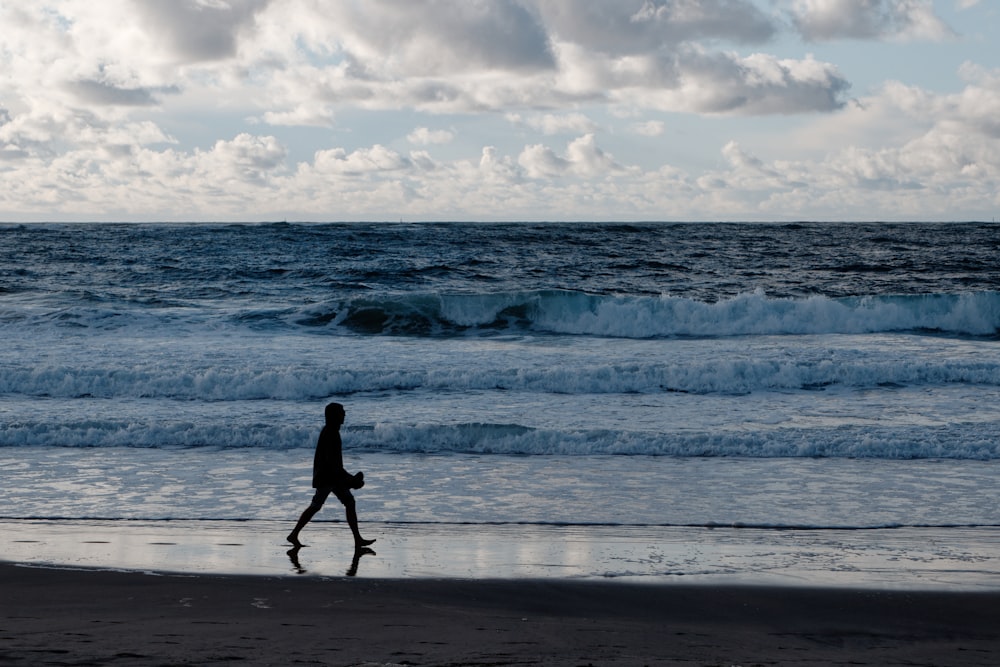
<point>969,442</point>
<point>577,313</point>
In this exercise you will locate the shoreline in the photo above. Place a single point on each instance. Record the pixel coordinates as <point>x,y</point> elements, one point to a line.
<point>58,616</point>
<point>216,592</point>
<point>936,559</point>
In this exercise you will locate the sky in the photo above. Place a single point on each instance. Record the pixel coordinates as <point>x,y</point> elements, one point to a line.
<point>630,110</point>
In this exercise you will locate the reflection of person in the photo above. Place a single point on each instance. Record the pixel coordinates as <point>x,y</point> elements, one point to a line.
<point>352,571</point>
<point>329,477</point>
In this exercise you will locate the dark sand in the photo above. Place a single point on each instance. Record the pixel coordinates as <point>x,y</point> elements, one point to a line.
<point>89,617</point>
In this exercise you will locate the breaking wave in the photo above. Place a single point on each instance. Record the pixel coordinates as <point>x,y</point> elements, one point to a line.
<point>543,312</point>
<point>576,313</point>
<point>958,441</point>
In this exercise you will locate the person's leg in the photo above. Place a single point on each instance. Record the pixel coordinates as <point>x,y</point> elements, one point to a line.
<point>352,521</point>
<point>307,515</point>
<point>347,499</point>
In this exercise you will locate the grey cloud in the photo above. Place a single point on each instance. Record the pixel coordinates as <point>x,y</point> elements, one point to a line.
<point>444,36</point>
<point>636,26</point>
<point>200,30</point>
<point>762,84</point>
<point>434,92</point>
<point>887,184</point>
<point>824,20</point>
<point>660,53</point>
<point>99,92</point>
<point>10,154</point>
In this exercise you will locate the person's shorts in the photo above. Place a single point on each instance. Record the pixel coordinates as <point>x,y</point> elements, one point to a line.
<point>343,494</point>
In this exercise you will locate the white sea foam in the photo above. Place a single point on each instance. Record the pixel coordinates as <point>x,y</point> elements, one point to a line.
<point>959,441</point>
<point>544,311</point>
<point>747,314</point>
<point>728,375</point>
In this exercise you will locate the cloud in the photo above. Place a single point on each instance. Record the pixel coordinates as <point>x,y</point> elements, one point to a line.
<point>436,37</point>
<point>198,30</point>
<point>424,136</point>
<point>945,157</point>
<point>649,128</point>
<point>474,57</point>
<point>246,157</point>
<point>298,62</point>
<point>573,123</point>
<point>756,84</point>
<point>363,161</point>
<point>148,108</point>
<point>824,20</point>
<point>541,162</point>
<point>583,158</point>
<point>587,159</point>
<point>103,93</point>
<point>305,115</point>
<point>619,28</point>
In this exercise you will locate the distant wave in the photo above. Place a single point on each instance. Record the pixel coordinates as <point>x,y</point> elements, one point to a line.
<point>734,376</point>
<point>576,313</point>
<point>958,441</point>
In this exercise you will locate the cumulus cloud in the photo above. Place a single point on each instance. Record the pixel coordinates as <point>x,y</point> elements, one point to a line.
<point>198,30</point>
<point>363,161</point>
<point>296,62</point>
<point>247,157</point>
<point>756,84</point>
<point>618,28</point>
<point>824,20</point>
<point>470,57</point>
<point>583,158</point>
<point>145,106</point>
<point>399,37</point>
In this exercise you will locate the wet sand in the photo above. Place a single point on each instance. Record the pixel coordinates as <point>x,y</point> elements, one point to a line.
<point>907,558</point>
<point>87,617</point>
<point>222,593</point>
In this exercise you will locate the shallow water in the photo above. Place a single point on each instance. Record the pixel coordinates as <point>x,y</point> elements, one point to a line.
<point>259,484</point>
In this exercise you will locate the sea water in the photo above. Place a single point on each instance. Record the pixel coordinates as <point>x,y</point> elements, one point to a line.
<point>804,376</point>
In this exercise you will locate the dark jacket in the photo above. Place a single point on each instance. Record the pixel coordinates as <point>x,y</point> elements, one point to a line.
<point>328,463</point>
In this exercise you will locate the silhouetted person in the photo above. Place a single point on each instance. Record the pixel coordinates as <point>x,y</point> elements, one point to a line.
<point>329,477</point>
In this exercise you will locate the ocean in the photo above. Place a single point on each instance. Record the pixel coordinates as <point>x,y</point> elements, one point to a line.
<point>812,376</point>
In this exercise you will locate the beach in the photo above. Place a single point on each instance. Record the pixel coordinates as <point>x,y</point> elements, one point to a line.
<point>910,558</point>
<point>175,593</point>
<point>89,617</point>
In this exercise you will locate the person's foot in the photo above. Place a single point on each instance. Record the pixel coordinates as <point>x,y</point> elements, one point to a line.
<point>358,544</point>
<point>293,539</point>
<point>358,553</point>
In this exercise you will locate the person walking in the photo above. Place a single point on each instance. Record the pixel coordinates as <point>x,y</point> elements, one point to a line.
<point>329,476</point>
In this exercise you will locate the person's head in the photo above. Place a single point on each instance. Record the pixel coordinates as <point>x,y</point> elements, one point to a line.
<point>335,414</point>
